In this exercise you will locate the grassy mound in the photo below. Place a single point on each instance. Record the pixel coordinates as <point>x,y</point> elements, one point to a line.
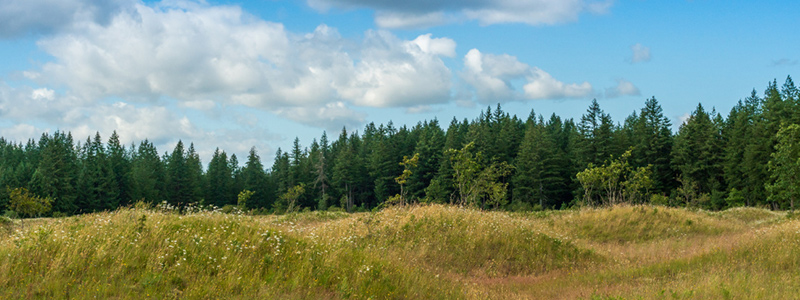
<point>762,264</point>
<point>750,215</point>
<point>462,241</point>
<point>624,224</point>
<point>137,253</point>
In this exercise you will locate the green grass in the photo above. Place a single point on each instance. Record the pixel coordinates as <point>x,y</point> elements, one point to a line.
<point>416,252</point>
<point>624,224</point>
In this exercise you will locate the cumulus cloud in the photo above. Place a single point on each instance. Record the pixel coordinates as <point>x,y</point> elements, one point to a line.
<point>421,13</point>
<point>623,88</point>
<point>201,55</point>
<point>396,73</point>
<point>492,79</point>
<point>19,17</point>
<point>639,54</point>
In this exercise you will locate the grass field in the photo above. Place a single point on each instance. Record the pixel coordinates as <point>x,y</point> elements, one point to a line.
<point>418,252</point>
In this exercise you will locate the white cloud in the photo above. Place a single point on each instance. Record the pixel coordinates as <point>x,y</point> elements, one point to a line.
<point>492,79</point>
<point>623,88</point>
<point>201,55</point>
<point>682,119</point>
<point>172,52</point>
<point>396,73</point>
<point>639,54</point>
<point>35,111</point>
<point>332,116</point>
<point>409,20</point>
<point>43,94</point>
<point>21,132</point>
<point>435,46</point>
<point>419,109</point>
<point>542,85</point>
<point>420,13</point>
<point>19,17</point>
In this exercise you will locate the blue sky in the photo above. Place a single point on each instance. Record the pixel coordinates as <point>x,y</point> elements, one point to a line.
<point>238,74</point>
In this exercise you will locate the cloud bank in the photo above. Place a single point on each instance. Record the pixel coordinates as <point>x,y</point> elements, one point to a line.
<point>161,71</point>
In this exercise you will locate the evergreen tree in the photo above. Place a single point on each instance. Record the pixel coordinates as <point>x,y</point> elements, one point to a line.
<point>652,145</point>
<point>98,185</point>
<point>697,157</point>
<point>430,144</point>
<point>596,136</point>
<point>120,165</point>
<point>441,187</point>
<point>785,168</point>
<point>255,179</point>
<point>218,185</point>
<point>147,175</point>
<point>182,176</point>
<point>56,175</point>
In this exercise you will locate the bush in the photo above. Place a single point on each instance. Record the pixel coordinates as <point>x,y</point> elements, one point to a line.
<point>658,199</point>
<point>11,214</point>
<point>335,209</point>
<point>5,221</point>
<point>27,204</point>
<point>230,209</point>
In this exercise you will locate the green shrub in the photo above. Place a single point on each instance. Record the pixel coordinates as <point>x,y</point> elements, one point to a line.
<point>27,204</point>
<point>11,214</point>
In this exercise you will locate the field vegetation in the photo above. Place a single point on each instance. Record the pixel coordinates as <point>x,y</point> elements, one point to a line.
<point>401,252</point>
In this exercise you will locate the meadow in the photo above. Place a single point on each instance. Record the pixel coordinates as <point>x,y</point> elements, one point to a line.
<point>416,252</point>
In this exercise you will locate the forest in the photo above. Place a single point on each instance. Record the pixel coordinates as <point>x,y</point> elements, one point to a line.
<point>496,161</point>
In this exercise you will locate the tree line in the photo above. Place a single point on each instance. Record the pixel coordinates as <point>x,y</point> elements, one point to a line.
<point>496,161</point>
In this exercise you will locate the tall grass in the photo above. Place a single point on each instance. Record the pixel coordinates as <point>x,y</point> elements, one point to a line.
<point>416,252</point>
<point>134,252</point>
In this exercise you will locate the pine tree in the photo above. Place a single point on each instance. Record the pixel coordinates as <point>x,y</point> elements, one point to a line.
<point>430,144</point>
<point>255,179</point>
<point>147,175</point>
<point>652,144</point>
<point>785,168</point>
<point>98,185</point>
<point>218,183</point>
<point>181,182</point>
<point>120,164</point>
<point>596,131</point>
<point>697,157</point>
<point>441,186</point>
<point>56,174</point>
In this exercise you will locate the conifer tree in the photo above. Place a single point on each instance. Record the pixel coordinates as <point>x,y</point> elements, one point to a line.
<point>784,190</point>
<point>218,185</point>
<point>255,179</point>
<point>120,164</point>
<point>56,174</point>
<point>652,145</point>
<point>147,174</point>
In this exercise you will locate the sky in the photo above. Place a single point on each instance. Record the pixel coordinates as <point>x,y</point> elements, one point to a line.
<point>239,74</point>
